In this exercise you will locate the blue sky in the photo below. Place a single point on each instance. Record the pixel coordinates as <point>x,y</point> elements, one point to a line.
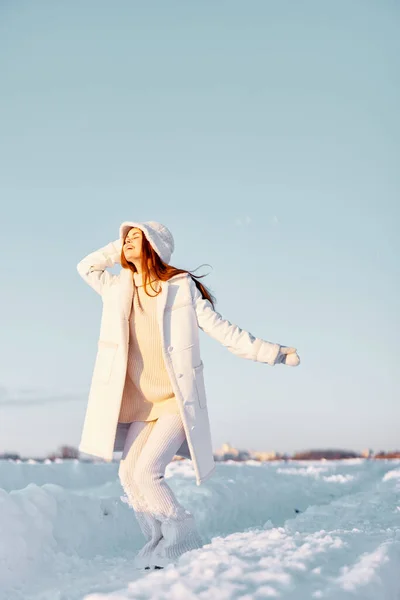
<point>265,135</point>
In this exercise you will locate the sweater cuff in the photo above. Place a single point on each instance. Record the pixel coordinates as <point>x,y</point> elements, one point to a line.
<point>268,353</point>
<point>112,253</point>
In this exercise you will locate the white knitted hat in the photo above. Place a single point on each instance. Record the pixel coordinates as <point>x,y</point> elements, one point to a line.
<point>158,235</point>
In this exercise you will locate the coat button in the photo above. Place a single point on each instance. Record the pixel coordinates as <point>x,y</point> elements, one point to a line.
<point>180,375</point>
<point>170,348</point>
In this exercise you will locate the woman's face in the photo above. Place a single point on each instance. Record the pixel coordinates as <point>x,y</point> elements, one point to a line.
<point>133,244</point>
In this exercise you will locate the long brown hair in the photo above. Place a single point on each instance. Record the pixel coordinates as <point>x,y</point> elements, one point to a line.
<point>162,270</point>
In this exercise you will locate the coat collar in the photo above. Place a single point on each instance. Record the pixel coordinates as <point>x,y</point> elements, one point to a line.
<point>127,287</point>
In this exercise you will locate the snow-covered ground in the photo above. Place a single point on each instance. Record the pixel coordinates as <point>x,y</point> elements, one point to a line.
<point>294,530</point>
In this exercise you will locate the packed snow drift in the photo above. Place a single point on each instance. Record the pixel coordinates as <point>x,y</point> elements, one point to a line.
<point>294,530</point>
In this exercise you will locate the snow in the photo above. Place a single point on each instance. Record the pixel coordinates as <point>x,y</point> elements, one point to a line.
<point>293,531</point>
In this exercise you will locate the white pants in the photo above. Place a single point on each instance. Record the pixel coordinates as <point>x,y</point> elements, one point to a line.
<point>169,529</point>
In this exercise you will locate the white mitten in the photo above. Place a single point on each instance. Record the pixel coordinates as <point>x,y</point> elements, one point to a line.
<point>288,356</point>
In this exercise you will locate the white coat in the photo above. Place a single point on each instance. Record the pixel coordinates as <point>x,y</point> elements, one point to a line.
<point>181,310</point>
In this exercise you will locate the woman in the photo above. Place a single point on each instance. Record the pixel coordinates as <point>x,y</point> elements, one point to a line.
<point>147,396</point>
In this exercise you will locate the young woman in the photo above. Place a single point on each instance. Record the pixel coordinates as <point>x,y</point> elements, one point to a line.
<point>147,397</point>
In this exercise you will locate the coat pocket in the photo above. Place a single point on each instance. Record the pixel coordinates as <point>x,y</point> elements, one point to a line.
<point>199,385</point>
<point>104,360</point>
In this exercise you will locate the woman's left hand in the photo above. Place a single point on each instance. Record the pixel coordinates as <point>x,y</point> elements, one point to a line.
<point>288,356</point>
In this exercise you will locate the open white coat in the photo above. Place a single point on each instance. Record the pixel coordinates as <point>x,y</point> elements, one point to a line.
<point>181,310</point>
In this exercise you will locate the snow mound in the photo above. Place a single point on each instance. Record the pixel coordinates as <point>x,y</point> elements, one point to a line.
<point>269,530</point>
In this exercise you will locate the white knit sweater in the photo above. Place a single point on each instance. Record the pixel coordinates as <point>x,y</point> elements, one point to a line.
<point>148,391</point>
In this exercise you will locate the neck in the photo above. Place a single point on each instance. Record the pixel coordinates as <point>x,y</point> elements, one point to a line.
<point>138,265</point>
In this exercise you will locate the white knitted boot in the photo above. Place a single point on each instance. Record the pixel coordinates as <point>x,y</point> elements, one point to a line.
<point>179,536</point>
<point>151,529</point>
<point>144,556</point>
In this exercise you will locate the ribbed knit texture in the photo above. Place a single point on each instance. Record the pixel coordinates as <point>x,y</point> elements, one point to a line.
<point>169,529</point>
<point>148,392</point>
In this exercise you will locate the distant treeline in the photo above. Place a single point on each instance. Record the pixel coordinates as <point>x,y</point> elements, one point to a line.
<point>68,452</point>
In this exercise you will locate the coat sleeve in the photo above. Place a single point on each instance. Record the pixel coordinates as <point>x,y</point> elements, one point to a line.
<point>92,268</point>
<point>236,340</point>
